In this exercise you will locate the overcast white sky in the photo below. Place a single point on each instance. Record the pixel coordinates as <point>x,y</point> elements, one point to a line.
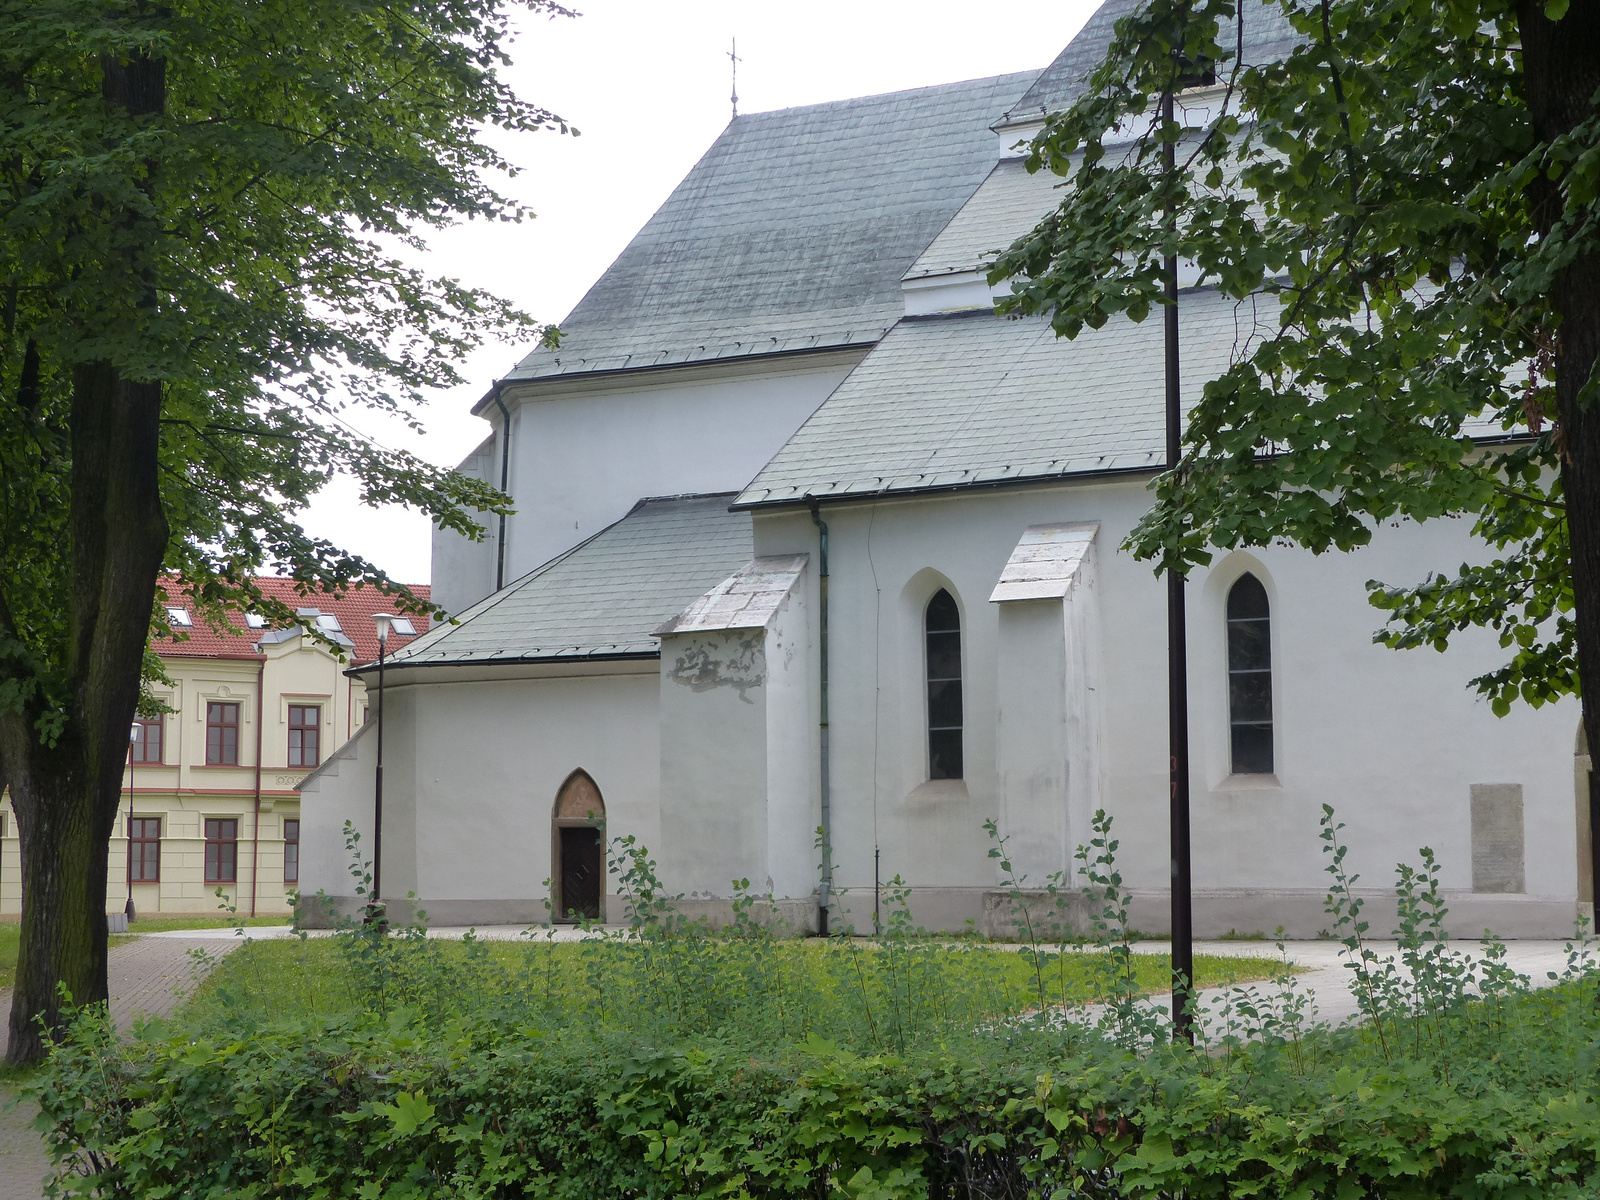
<point>646,81</point>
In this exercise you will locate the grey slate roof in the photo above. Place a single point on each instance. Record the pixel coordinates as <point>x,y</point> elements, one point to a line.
<point>975,398</point>
<point>1006,205</point>
<point>791,233</point>
<point>605,596</point>
<point>1267,36</point>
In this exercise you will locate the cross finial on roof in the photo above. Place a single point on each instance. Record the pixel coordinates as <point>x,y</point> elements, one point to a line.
<point>733,58</point>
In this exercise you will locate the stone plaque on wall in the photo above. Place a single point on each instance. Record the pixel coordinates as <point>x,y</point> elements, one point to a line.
<point>1497,838</point>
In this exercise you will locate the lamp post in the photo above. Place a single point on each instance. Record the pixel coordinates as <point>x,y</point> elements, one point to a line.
<point>1177,652</point>
<point>384,622</point>
<point>127,831</point>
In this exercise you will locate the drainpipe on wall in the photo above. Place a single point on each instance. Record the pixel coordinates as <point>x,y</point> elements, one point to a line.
<point>823,892</point>
<point>255,839</point>
<point>505,479</point>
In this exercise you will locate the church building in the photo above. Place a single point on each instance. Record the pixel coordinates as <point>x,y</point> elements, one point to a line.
<point>814,551</point>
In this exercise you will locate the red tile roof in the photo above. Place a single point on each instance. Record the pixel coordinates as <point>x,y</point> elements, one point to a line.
<point>354,610</point>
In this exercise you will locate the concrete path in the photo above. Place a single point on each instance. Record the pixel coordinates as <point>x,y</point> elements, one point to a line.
<point>1325,977</point>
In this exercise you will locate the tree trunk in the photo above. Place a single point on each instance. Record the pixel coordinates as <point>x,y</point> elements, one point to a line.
<point>1561,66</point>
<point>65,774</point>
<point>62,958</point>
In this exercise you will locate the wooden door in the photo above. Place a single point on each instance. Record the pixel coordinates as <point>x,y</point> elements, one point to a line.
<point>580,872</point>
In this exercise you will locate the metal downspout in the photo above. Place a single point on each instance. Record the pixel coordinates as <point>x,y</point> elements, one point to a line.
<point>505,479</point>
<point>824,891</point>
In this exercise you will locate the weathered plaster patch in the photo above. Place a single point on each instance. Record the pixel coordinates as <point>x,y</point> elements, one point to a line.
<point>735,661</point>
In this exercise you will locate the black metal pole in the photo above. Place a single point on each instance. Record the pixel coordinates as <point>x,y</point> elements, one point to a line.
<point>1594,842</point>
<point>1177,664</point>
<point>377,798</point>
<point>128,830</point>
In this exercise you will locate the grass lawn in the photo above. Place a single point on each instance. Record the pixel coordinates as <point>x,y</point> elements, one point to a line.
<point>759,989</point>
<point>163,924</point>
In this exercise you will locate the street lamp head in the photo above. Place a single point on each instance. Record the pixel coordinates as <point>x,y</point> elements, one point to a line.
<point>133,732</point>
<point>384,622</point>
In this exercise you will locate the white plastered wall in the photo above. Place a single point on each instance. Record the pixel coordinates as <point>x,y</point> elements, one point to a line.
<point>1047,726</point>
<point>713,761</point>
<point>1393,740</point>
<point>585,450</point>
<point>471,771</point>
<point>463,570</point>
<point>738,764</point>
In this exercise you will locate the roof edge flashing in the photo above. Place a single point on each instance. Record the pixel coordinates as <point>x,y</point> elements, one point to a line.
<point>516,389</point>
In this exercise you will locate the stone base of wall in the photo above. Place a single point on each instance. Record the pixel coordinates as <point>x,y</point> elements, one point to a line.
<point>997,914</point>
<point>1301,914</point>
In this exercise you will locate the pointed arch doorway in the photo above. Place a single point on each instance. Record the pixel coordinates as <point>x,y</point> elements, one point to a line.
<point>577,875</point>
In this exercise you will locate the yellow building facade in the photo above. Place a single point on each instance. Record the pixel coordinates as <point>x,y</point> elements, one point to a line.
<point>209,795</point>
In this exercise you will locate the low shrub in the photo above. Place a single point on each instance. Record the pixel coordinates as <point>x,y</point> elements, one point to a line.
<point>357,1107</point>
<point>656,1064</point>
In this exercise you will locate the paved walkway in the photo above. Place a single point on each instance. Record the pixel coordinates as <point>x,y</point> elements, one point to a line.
<point>1328,982</point>
<point>148,976</point>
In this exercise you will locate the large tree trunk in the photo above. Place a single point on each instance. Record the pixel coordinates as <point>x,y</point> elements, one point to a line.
<point>66,777</point>
<point>1561,64</point>
<point>66,795</point>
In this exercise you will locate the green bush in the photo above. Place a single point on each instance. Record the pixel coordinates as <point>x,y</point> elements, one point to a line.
<point>671,1062</point>
<point>403,1107</point>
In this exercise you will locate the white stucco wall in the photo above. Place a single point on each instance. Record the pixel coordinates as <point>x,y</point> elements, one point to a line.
<point>1065,711</point>
<point>792,755</point>
<point>463,570</point>
<point>471,771</point>
<point>714,761</point>
<point>585,450</point>
<point>1393,740</point>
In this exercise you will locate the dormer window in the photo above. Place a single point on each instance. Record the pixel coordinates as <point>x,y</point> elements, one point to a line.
<point>178,617</point>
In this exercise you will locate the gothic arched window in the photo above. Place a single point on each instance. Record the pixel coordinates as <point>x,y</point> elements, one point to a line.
<point>942,629</point>
<point>1250,677</point>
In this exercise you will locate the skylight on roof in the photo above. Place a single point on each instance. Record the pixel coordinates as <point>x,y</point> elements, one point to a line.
<point>255,620</point>
<point>178,617</point>
<point>328,623</point>
<point>403,626</point>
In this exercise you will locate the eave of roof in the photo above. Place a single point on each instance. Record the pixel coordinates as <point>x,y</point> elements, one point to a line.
<point>600,600</point>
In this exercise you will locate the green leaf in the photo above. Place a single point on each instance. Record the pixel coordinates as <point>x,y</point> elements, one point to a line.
<point>408,1114</point>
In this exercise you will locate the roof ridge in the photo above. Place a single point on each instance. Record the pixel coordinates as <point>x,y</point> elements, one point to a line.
<point>731,266</point>
<point>925,87</point>
<point>682,496</point>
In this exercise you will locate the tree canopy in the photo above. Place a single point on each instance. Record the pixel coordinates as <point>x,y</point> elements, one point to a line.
<point>203,210</point>
<point>1407,201</point>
